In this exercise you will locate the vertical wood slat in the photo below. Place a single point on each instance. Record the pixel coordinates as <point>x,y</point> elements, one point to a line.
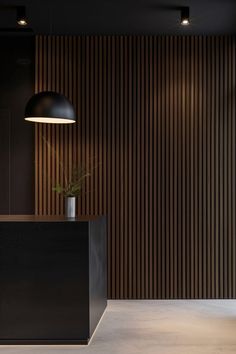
<point>156,119</point>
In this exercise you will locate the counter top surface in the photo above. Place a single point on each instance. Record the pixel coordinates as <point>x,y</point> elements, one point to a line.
<point>36,218</point>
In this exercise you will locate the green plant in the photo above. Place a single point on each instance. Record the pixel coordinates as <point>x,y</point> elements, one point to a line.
<point>73,186</point>
<point>70,187</point>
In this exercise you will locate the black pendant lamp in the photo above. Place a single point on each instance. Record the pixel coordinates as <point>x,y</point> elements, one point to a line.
<point>50,107</point>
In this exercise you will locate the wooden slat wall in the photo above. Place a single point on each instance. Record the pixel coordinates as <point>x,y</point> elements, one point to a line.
<point>157,119</point>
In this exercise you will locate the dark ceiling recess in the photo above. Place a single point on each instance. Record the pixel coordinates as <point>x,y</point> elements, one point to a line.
<point>125,16</point>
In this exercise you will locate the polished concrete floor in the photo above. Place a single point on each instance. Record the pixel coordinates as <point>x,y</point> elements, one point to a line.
<point>156,327</point>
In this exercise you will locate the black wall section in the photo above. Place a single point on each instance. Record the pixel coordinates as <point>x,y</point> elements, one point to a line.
<point>16,136</point>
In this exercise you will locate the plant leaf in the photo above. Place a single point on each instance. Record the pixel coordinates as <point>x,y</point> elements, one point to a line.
<point>58,189</point>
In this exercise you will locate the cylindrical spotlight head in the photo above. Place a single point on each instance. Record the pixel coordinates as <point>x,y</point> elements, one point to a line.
<point>185,16</point>
<point>21,18</point>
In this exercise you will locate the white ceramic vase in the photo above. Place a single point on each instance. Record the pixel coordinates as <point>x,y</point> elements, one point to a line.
<point>70,207</point>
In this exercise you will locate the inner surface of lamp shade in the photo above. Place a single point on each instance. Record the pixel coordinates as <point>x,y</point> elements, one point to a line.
<point>50,120</point>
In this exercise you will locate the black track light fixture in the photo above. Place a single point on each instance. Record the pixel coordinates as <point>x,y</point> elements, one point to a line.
<point>185,16</point>
<point>21,18</point>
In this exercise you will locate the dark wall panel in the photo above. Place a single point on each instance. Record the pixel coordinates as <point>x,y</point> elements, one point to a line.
<point>5,161</point>
<point>16,136</point>
<point>157,119</point>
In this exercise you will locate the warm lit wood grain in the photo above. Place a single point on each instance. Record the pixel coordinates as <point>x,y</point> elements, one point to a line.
<point>156,118</point>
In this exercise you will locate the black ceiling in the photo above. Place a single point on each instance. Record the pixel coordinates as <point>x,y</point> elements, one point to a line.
<point>124,16</point>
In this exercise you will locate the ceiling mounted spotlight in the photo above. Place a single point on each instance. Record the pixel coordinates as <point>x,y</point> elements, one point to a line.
<point>185,16</point>
<point>21,18</point>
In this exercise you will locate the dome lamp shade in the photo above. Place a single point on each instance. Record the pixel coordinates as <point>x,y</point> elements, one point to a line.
<point>49,107</point>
